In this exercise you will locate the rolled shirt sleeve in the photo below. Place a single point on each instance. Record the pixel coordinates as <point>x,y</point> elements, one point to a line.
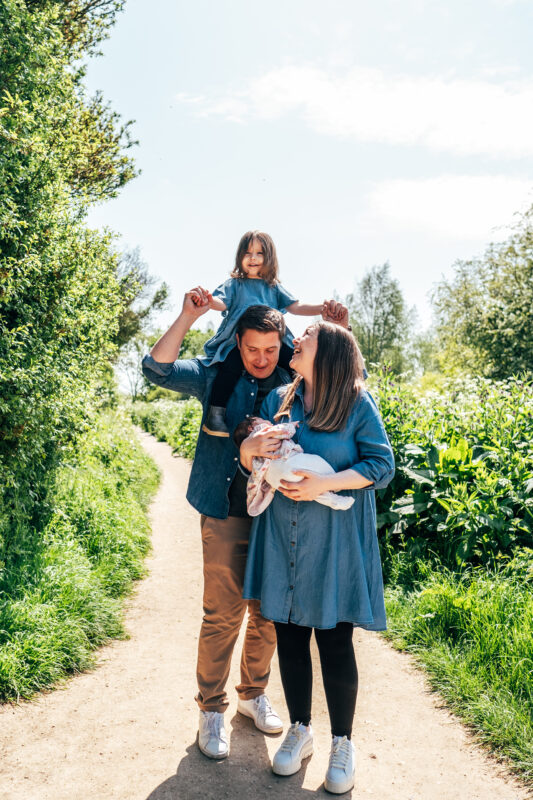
<point>376,459</point>
<point>187,375</point>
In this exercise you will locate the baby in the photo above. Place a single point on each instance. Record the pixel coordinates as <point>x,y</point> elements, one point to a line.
<point>267,473</point>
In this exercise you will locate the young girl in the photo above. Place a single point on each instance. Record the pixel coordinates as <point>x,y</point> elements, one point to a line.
<point>254,281</point>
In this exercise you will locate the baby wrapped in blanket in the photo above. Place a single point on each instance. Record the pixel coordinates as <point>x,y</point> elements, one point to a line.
<point>267,473</point>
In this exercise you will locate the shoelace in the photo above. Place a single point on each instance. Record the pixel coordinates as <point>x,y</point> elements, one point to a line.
<point>214,722</point>
<point>340,753</point>
<point>292,737</point>
<point>263,706</point>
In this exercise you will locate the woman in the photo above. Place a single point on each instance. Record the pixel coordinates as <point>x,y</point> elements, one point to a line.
<point>311,566</point>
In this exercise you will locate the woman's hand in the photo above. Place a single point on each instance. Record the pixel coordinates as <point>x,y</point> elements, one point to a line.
<point>263,444</point>
<point>308,488</point>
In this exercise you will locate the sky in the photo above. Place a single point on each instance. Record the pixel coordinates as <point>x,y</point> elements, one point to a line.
<point>353,132</point>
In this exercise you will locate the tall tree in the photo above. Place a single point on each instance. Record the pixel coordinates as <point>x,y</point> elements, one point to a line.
<point>380,318</point>
<point>485,312</point>
<point>139,297</point>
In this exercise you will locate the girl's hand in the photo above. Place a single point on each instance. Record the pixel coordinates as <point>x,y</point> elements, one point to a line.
<point>308,488</point>
<point>333,311</point>
<point>263,444</point>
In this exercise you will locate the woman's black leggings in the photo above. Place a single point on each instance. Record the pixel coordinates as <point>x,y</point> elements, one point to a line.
<point>339,672</point>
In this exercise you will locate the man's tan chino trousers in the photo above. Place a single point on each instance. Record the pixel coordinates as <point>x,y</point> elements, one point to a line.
<point>225,546</point>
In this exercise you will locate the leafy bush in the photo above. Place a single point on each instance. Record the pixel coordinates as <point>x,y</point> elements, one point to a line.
<point>59,297</point>
<point>464,469</point>
<point>59,600</point>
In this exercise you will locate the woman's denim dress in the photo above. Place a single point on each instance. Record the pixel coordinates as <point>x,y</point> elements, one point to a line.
<point>308,563</point>
<point>238,294</point>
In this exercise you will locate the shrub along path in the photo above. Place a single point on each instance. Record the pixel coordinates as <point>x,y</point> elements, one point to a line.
<point>127,730</point>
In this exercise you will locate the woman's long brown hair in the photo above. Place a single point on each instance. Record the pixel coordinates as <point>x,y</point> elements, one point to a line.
<point>337,379</point>
<point>269,270</point>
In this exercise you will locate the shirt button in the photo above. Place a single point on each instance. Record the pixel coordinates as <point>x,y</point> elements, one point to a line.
<point>228,479</point>
<point>247,416</point>
<point>293,524</point>
<point>252,394</point>
<point>291,587</point>
<point>292,563</point>
<point>235,459</point>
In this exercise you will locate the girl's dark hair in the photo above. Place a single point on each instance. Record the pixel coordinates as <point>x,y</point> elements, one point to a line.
<point>269,270</point>
<point>337,379</point>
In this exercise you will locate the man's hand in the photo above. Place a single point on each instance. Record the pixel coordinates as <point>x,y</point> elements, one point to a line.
<point>167,347</point>
<point>263,444</point>
<point>308,488</point>
<point>333,311</point>
<point>196,302</point>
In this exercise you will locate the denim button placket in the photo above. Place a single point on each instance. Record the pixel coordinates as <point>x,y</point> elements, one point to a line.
<point>293,538</point>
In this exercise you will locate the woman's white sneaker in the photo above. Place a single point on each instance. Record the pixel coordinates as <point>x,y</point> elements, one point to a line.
<point>212,739</point>
<point>262,713</point>
<point>297,745</point>
<point>340,776</point>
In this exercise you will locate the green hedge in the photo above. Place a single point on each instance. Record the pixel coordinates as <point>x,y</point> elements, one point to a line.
<point>60,598</point>
<point>60,300</point>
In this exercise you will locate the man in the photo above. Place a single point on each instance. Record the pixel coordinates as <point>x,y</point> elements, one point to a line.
<point>217,489</point>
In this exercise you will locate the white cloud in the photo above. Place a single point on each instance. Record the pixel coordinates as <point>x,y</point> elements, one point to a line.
<point>190,99</point>
<point>450,206</point>
<point>461,116</point>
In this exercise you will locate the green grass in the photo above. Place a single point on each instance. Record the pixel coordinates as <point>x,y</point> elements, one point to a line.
<point>60,598</point>
<point>473,633</point>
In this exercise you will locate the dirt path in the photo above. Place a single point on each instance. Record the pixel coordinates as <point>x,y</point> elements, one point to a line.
<point>127,730</point>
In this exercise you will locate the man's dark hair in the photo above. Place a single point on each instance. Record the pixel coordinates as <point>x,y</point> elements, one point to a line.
<point>263,319</point>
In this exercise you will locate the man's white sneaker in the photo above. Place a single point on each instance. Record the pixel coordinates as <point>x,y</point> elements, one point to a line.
<point>260,710</point>
<point>297,745</point>
<point>340,776</point>
<point>212,739</point>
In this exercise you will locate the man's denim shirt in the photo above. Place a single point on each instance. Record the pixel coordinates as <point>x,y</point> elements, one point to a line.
<point>216,459</point>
